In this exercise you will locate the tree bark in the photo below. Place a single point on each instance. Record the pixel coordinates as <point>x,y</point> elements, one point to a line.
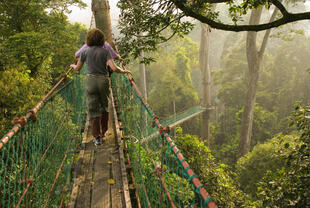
<point>254,65</point>
<point>143,86</point>
<point>286,18</point>
<point>174,117</point>
<point>254,58</point>
<point>206,80</point>
<point>142,76</point>
<point>101,11</point>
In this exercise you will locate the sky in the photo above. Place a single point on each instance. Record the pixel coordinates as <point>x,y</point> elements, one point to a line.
<point>84,16</point>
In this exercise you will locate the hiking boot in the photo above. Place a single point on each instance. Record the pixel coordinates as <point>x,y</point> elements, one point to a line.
<point>97,141</point>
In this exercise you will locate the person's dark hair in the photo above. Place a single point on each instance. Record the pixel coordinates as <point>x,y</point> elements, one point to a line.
<point>95,37</point>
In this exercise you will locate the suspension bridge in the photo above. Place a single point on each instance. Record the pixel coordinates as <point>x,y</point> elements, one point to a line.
<point>47,159</point>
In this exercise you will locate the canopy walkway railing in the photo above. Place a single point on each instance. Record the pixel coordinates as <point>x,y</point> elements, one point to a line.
<point>177,119</point>
<point>183,116</point>
<point>36,154</point>
<point>162,176</point>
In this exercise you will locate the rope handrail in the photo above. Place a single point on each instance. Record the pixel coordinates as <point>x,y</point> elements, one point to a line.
<point>184,112</point>
<point>31,164</point>
<point>207,201</point>
<point>20,123</point>
<point>36,154</point>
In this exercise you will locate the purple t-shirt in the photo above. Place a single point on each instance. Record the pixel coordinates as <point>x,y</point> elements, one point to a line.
<point>106,45</point>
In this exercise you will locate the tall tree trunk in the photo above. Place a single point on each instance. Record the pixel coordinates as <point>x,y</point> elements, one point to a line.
<point>92,22</point>
<point>142,76</point>
<point>143,86</point>
<point>101,11</point>
<point>254,57</point>
<point>206,80</point>
<point>253,64</point>
<point>174,117</point>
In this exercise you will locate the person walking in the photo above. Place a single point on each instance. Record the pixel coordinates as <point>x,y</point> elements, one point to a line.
<point>97,59</point>
<point>114,55</point>
<point>106,45</point>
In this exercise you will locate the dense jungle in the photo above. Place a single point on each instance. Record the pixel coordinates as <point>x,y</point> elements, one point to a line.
<point>251,146</point>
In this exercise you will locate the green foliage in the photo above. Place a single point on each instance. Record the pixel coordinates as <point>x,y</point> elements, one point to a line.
<point>66,40</point>
<point>34,31</point>
<point>171,77</point>
<point>231,84</point>
<point>37,44</point>
<point>18,94</point>
<point>146,24</point>
<point>227,150</point>
<point>289,186</point>
<point>226,133</point>
<point>27,16</point>
<point>144,27</point>
<point>36,151</point>
<point>28,48</point>
<point>264,124</point>
<point>264,158</point>
<point>213,175</point>
<point>283,81</point>
<point>179,187</point>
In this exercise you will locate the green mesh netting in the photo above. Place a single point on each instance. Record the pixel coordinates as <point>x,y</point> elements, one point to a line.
<point>157,172</point>
<point>35,164</point>
<point>173,120</point>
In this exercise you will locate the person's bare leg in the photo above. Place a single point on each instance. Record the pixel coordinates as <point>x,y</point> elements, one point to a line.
<point>104,122</point>
<point>95,126</point>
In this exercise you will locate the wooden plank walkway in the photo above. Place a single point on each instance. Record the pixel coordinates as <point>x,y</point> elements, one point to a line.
<point>100,174</point>
<point>99,177</point>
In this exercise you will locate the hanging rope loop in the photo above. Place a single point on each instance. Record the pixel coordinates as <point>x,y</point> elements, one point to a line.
<point>163,130</point>
<point>33,115</point>
<point>131,80</point>
<point>63,76</point>
<point>153,121</point>
<point>206,202</point>
<point>22,121</point>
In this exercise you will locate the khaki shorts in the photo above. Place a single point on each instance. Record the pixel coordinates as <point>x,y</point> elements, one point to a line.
<point>97,94</point>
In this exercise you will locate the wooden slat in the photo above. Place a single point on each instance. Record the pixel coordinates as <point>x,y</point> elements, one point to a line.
<point>101,188</point>
<point>91,187</point>
<point>79,177</point>
<point>86,189</point>
<point>116,189</point>
<point>117,133</point>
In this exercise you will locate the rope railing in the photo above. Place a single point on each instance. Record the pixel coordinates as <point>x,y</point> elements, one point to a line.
<point>36,154</point>
<point>184,115</point>
<point>21,122</point>
<point>162,176</point>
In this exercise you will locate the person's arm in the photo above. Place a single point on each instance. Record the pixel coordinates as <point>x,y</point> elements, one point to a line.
<point>115,68</point>
<point>120,59</point>
<point>77,66</point>
<point>81,60</point>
